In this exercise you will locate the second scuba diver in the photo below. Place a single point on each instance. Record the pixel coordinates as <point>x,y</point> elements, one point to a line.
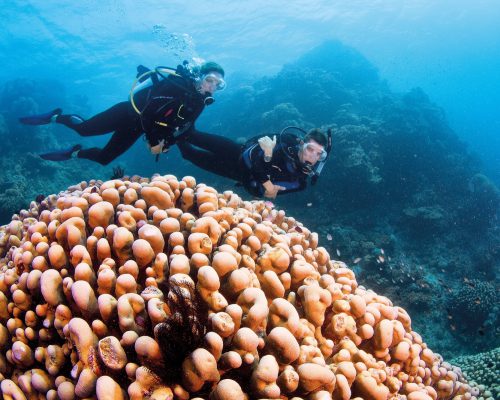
<point>266,167</point>
<point>164,104</point>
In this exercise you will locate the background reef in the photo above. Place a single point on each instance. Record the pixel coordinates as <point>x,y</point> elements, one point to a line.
<point>401,199</point>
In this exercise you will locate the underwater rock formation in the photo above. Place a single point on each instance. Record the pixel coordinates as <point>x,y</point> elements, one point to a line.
<point>159,288</point>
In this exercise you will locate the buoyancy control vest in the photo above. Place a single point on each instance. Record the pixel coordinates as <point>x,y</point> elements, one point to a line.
<point>167,103</point>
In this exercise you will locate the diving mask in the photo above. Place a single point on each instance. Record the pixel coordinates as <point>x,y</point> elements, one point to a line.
<point>215,80</point>
<point>314,151</point>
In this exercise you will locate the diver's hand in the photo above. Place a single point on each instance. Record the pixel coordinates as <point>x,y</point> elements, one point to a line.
<point>159,148</point>
<point>271,190</point>
<point>267,145</point>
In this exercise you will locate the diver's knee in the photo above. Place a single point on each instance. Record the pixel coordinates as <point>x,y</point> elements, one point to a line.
<point>104,161</point>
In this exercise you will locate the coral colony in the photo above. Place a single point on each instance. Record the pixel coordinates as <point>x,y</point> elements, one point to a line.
<point>163,288</point>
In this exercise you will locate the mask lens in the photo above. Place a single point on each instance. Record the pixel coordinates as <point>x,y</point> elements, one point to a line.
<point>313,149</point>
<point>215,80</point>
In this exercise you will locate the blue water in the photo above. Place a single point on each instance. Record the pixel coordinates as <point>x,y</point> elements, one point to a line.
<point>448,48</point>
<point>83,56</point>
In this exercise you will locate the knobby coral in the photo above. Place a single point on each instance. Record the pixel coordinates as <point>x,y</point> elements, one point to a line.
<point>159,288</point>
<point>483,368</point>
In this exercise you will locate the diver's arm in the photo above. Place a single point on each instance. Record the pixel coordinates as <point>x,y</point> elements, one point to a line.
<point>261,169</point>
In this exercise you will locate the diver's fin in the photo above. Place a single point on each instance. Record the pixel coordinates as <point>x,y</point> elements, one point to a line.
<point>61,155</point>
<point>41,119</point>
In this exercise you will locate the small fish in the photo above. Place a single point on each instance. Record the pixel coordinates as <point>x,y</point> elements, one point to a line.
<point>309,204</point>
<point>357,260</point>
<point>329,236</point>
<point>381,259</point>
<point>382,251</point>
<point>338,252</point>
<point>298,229</point>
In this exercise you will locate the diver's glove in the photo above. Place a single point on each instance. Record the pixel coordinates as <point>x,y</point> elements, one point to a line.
<point>267,145</point>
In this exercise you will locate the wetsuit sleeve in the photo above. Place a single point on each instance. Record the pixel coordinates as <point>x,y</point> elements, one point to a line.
<point>261,170</point>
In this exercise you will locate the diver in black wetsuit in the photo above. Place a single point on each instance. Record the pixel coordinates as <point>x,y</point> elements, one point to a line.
<point>266,167</point>
<point>163,106</point>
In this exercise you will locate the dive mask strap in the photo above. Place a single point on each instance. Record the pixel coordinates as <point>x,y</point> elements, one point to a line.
<point>329,142</point>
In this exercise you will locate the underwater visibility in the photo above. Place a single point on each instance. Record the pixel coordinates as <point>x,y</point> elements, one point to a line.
<point>250,201</point>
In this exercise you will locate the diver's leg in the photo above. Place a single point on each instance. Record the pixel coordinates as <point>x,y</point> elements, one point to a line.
<point>119,143</point>
<point>219,145</point>
<point>209,161</point>
<point>118,117</point>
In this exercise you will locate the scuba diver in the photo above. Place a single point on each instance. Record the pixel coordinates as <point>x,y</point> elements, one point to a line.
<point>163,105</point>
<point>264,166</point>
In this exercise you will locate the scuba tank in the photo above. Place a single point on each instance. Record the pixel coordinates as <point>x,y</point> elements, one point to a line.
<point>183,77</point>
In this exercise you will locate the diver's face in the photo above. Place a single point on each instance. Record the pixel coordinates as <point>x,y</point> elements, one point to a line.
<point>311,152</point>
<point>211,82</point>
